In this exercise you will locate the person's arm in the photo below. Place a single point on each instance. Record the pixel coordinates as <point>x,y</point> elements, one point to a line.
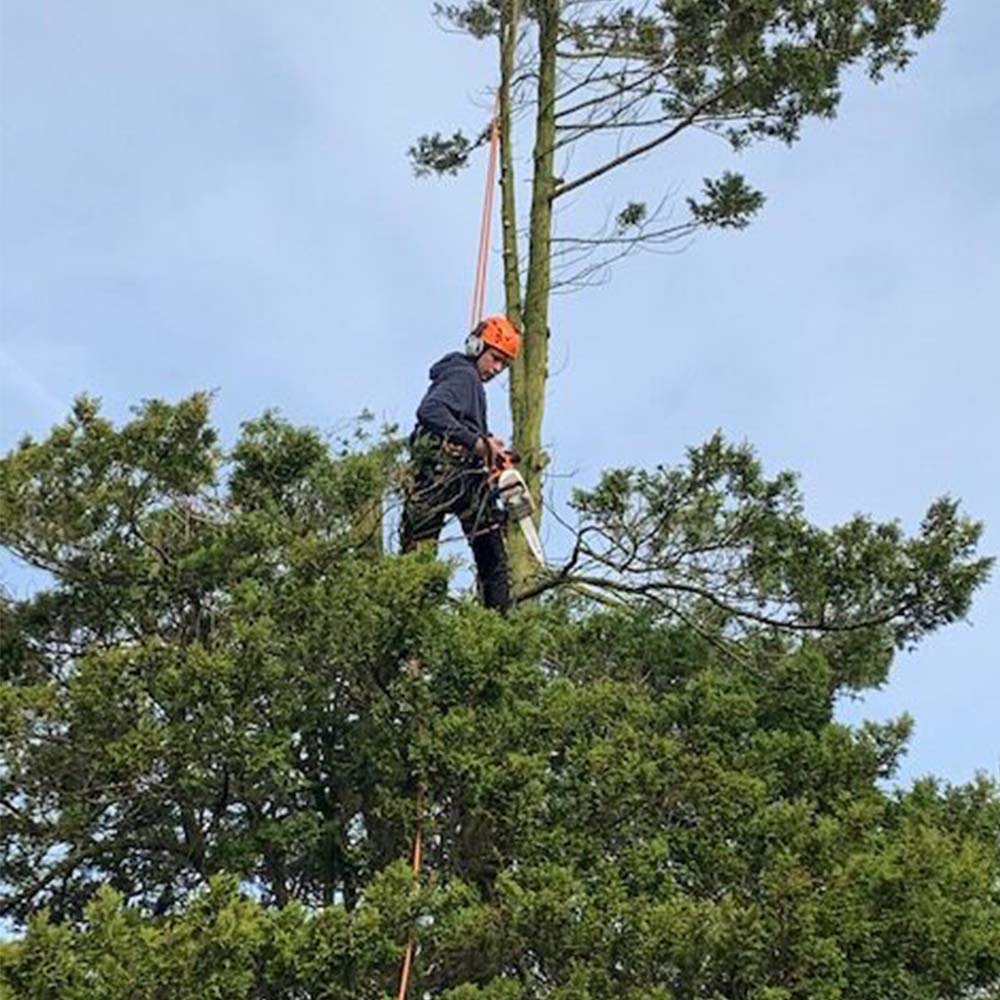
<point>441,408</point>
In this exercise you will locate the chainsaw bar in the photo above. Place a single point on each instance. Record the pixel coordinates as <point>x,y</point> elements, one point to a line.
<point>517,502</point>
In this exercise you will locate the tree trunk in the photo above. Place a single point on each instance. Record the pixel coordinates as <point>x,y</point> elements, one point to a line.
<point>517,551</point>
<point>508,208</point>
<point>528,377</point>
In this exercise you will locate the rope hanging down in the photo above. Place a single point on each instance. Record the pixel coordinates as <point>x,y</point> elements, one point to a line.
<point>479,291</point>
<point>478,305</point>
<point>418,847</point>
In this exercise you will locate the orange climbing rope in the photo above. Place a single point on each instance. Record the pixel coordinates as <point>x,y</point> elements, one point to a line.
<point>478,303</point>
<point>479,290</point>
<point>418,847</point>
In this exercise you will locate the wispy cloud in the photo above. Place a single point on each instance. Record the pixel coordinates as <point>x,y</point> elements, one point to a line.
<point>26,387</point>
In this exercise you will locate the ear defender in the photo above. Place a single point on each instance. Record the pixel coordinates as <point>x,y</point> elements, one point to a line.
<point>474,344</point>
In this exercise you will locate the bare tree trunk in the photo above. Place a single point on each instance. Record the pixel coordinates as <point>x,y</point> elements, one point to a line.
<point>527,392</point>
<point>508,208</point>
<point>519,556</point>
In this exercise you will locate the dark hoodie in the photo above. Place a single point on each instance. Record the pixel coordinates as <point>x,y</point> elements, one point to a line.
<point>454,407</point>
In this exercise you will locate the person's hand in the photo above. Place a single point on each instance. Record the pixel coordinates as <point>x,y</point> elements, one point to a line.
<point>490,449</point>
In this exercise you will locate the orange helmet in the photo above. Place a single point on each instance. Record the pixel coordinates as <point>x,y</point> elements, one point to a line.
<point>497,332</point>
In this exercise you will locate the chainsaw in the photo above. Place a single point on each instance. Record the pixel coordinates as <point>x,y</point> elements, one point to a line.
<point>514,496</point>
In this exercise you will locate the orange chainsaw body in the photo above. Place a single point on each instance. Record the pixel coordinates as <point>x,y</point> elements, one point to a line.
<point>516,499</point>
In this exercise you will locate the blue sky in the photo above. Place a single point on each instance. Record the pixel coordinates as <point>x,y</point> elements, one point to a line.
<point>216,196</point>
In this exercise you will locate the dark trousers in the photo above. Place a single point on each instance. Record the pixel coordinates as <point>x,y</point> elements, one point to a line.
<point>446,485</point>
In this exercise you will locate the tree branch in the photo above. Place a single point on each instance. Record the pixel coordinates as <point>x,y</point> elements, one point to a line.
<point>646,147</point>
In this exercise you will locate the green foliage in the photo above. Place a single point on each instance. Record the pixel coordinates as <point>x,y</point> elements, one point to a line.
<point>223,945</point>
<point>191,695</point>
<point>631,216</point>
<point>480,18</point>
<point>749,70</point>
<point>717,541</point>
<point>437,154</point>
<point>764,66</point>
<point>216,718</point>
<point>729,203</point>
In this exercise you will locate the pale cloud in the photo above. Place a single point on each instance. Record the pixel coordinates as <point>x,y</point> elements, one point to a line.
<point>24,389</point>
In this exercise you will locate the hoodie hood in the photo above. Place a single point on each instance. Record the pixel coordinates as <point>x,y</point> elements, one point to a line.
<point>456,359</point>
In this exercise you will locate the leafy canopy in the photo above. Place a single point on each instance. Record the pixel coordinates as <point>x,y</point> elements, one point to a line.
<point>746,70</point>
<point>213,737</point>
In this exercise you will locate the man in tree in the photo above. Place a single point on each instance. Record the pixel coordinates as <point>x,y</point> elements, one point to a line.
<point>608,83</point>
<point>453,453</point>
